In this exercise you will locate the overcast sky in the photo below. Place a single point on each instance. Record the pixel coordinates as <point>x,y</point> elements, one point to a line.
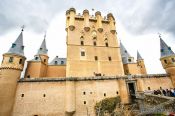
<point>138,23</point>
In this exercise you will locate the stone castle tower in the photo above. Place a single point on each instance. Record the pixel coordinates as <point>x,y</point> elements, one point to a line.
<point>167,59</point>
<point>96,67</point>
<point>92,45</point>
<point>39,63</point>
<point>10,72</point>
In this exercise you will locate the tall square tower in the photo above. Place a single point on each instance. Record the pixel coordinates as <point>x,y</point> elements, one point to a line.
<point>92,45</point>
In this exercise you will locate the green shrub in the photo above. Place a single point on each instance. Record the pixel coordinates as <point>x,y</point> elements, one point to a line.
<point>107,104</point>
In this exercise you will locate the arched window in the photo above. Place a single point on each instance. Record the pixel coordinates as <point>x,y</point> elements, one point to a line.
<point>106,44</point>
<point>109,58</point>
<point>11,59</point>
<point>82,42</point>
<point>20,61</point>
<point>165,61</point>
<point>95,43</point>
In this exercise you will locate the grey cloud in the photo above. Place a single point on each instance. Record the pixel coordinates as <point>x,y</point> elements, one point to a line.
<point>151,16</point>
<point>35,14</point>
<point>138,16</point>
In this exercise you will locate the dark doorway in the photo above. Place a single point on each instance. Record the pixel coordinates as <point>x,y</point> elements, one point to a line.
<point>131,88</point>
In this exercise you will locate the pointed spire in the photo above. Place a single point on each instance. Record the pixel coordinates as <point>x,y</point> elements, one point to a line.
<point>165,50</point>
<point>124,52</point>
<point>18,47</point>
<point>126,57</point>
<point>43,48</point>
<point>139,56</point>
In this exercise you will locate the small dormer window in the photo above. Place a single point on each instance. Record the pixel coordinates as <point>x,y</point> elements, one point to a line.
<point>129,60</point>
<point>56,62</point>
<point>125,51</point>
<point>62,62</point>
<point>22,47</point>
<point>36,58</point>
<point>169,48</point>
<point>13,45</point>
<point>41,48</point>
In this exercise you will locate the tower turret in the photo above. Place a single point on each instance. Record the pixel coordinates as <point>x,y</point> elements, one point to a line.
<point>71,12</point>
<point>99,21</point>
<point>67,20</point>
<point>167,59</point>
<point>112,23</point>
<point>130,67</point>
<point>39,63</point>
<point>42,52</point>
<point>10,72</point>
<point>141,64</point>
<point>86,20</point>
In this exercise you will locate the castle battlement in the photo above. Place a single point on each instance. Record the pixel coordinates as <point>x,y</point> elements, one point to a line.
<point>105,19</point>
<point>87,18</point>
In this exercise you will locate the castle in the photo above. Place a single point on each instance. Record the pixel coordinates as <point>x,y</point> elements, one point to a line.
<point>96,67</point>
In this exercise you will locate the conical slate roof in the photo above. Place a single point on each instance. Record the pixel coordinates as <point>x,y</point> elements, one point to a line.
<point>58,61</point>
<point>139,56</point>
<point>124,52</point>
<point>43,48</point>
<point>126,57</point>
<point>18,47</point>
<point>165,50</point>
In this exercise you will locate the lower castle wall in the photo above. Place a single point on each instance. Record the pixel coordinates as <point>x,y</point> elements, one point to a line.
<point>156,83</point>
<point>34,103</point>
<point>87,94</point>
<point>53,104</point>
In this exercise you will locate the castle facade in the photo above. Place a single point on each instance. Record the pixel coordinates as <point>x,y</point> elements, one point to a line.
<point>97,67</point>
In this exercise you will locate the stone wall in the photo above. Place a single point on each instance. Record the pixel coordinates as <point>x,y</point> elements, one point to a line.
<point>47,96</point>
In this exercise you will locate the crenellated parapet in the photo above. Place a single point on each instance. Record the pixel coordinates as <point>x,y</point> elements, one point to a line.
<point>13,61</point>
<point>71,17</point>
